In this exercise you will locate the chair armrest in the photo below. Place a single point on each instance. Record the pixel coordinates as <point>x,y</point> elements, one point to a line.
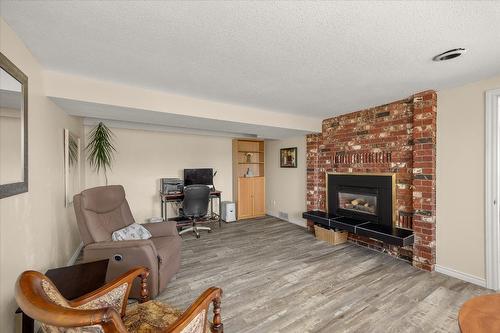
<point>126,278</point>
<point>125,255</point>
<point>145,245</point>
<point>211,295</point>
<point>40,307</point>
<point>59,316</point>
<point>161,229</point>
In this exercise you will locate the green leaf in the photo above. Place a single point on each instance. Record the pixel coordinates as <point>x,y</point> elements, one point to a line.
<point>100,148</point>
<point>72,150</point>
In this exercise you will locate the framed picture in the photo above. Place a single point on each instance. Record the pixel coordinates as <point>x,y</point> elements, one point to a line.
<point>288,157</point>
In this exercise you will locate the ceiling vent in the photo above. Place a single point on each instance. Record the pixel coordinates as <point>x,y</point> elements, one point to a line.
<point>450,54</point>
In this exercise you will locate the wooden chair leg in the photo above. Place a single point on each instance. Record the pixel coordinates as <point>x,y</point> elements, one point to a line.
<point>217,326</point>
<point>144,287</point>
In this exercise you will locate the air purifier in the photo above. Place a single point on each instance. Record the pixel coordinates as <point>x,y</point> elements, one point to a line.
<point>228,213</point>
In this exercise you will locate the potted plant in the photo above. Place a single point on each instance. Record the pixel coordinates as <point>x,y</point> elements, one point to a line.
<point>100,149</point>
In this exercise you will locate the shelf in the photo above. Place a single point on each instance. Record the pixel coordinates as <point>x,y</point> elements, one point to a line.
<point>248,157</point>
<point>346,223</point>
<point>387,234</point>
<point>250,151</point>
<point>390,235</point>
<point>250,162</point>
<point>318,217</point>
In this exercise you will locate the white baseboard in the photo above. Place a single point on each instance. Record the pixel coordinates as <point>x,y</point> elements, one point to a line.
<point>298,222</point>
<point>75,255</point>
<point>462,276</point>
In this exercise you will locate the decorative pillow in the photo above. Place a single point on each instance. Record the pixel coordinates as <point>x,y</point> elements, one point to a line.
<point>133,231</point>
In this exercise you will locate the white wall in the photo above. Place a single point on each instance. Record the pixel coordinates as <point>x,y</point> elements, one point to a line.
<point>143,157</point>
<point>460,241</point>
<point>36,230</point>
<point>286,187</point>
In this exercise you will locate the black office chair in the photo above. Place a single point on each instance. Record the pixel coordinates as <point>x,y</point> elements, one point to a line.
<point>195,207</point>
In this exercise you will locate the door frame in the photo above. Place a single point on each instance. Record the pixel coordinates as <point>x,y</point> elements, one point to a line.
<point>492,195</point>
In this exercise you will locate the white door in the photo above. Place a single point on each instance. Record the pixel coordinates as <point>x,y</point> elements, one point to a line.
<point>492,186</point>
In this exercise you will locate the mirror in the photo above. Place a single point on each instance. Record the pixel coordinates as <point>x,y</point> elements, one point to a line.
<point>71,165</point>
<point>13,129</point>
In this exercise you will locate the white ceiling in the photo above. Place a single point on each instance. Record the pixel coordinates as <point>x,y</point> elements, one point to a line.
<point>312,58</point>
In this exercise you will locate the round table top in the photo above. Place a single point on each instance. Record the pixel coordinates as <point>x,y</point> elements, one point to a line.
<point>480,314</point>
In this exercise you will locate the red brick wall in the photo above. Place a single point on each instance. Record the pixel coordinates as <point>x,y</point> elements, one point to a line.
<point>314,200</point>
<point>424,180</point>
<point>399,137</point>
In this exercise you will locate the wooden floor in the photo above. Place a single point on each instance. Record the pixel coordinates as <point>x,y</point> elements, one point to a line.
<point>277,278</point>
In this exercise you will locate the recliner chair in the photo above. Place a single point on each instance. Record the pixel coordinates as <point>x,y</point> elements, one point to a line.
<point>102,210</point>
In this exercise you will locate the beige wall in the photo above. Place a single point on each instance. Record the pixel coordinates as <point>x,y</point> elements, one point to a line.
<point>143,157</point>
<point>286,187</point>
<point>83,89</point>
<point>11,162</point>
<point>36,230</point>
<point>460,242</point>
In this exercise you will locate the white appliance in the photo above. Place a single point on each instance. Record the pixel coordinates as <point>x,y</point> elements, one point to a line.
<point>228,211</point>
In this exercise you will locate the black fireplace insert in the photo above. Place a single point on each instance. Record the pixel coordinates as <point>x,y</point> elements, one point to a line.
<point>367,197</point>
<point>362,204</point>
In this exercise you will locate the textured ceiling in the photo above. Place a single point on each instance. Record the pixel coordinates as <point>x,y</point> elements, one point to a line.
<point>311,58</point>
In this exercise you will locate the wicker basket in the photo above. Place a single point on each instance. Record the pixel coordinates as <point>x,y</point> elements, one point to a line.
<point>331,236</point>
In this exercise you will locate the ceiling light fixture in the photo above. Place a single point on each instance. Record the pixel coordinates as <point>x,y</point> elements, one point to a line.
<point>450,54</point>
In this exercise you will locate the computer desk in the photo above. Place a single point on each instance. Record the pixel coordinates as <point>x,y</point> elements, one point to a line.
<point>179,197</point>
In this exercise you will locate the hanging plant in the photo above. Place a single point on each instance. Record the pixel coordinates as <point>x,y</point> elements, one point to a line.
<point>100,149</point>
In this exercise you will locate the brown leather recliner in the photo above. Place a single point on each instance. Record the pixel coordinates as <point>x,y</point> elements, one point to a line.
<point>102,210</point>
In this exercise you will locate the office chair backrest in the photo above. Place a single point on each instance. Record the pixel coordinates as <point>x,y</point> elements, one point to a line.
<point>196,199</point>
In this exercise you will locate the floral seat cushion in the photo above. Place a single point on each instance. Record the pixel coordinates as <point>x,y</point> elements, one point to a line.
<point>149,317</point>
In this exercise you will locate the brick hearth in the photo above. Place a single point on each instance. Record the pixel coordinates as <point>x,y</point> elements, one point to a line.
<point>399,137</point>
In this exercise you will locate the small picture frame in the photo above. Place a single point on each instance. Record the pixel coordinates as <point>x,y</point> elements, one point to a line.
<point>288,157</point>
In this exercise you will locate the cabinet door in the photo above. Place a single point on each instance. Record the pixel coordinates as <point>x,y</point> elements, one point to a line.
<point>245,198</point>
<point>259,196</point>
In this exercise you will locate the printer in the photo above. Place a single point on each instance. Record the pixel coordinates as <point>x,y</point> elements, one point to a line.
<point>171,185</point>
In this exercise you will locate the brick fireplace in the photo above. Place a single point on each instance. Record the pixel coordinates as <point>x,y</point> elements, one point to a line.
<point>398,138</point>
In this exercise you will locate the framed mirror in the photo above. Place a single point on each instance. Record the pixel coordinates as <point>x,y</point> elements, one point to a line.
<point>13,129</point>
<point>71,166</point>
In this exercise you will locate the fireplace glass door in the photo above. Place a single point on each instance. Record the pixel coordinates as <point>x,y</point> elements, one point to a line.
<point>365,203</point>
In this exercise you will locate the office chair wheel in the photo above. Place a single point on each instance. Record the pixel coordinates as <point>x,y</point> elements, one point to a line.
<point>209,231</point>
<point>197,236</point>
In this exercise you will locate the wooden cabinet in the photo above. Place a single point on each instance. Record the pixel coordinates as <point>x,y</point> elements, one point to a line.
<point>248,178</point>
<point>244,205</point>
<point>259,196</point>
<point>251,197</point>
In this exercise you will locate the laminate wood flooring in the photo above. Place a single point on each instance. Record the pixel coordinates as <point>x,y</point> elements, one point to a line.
<point>277,277</point>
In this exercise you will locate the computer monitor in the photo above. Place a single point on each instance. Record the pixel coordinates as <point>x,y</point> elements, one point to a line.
<point>199,176</point>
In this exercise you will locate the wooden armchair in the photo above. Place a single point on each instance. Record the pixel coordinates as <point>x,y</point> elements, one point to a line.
<point>105,310</point>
